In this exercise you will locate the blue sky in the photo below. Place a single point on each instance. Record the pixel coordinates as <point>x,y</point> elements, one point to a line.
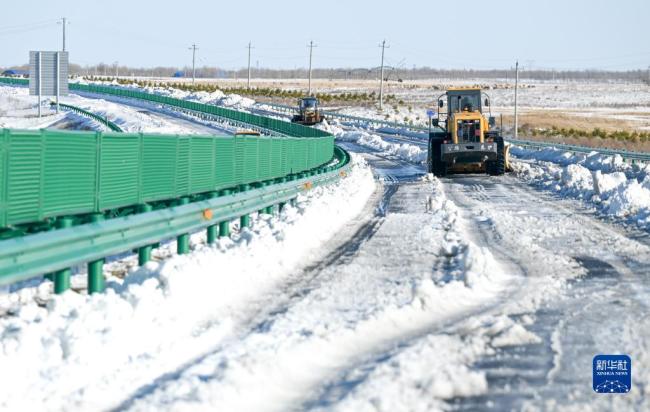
<point>557,34</point>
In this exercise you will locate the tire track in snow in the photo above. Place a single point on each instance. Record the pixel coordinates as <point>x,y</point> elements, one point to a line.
<point>353,234</point>
<point>572,325</point>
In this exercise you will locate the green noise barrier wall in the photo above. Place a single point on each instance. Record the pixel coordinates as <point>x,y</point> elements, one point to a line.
<point>46,174</point>
<point>51,173</point>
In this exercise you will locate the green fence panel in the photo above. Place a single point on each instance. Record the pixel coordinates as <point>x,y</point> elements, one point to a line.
<point>275,157</point>
<point>24,177</point>
<point>202,166</point>
<point>225,162</point>
<point>264,158</point>
<point>69,173</point>
<point>159,163</point>
<point>251,159</point>
<point>239,159</point>
<point>119,172</point>
<point>183,162</point>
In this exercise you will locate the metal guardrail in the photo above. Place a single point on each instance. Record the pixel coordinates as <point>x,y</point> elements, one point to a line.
<point>626,155</point>
<point>103,120</point>
<point>350,118</point>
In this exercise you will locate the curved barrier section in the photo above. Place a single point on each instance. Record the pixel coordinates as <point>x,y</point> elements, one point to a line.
<point>105,193</point>
<point>279,126</point>
<point>110,125</point>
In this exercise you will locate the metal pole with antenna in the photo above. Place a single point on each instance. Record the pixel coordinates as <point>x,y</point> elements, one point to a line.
<point>248,83</point>
<point>58,80</point>
<point>311,49</point>
<point>516,87</point>
<point>40,80</point>
<point>194,49</point>
<point>63,22</point>
<point>381,75</point>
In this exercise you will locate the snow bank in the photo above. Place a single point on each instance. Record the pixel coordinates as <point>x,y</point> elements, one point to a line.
<point>19,110</point>
<point>614,187</point>
<point>88,352</point>
<point>405,151</point>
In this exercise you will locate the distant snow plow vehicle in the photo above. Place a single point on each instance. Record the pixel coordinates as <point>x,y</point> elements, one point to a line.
<point>308,112</point>
<point>467,141</point>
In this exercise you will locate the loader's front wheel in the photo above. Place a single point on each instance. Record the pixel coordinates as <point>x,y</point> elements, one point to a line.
<point>436,165</point>
<point>501,157</point>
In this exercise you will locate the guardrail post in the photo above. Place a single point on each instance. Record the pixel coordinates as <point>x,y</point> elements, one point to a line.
<point>262,210</point>
<point>245,220</point>
<point>224,226</point>
<point>183,241</point>
<point>62,277</point>
<point>96,267</point>
<point>144,252</point>
<point>212,229</point>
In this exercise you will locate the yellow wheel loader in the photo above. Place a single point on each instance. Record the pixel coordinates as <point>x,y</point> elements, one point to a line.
<point>308,112</point>
<point>464,140</point>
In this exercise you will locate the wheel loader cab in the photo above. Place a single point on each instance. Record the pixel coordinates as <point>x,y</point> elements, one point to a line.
<point>308,105</point>
<point>308,111</point>
<point>464,118</point>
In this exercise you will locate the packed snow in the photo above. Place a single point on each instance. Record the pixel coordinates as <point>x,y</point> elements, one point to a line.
<point>405,151</point>
<point>357,308</point>
<point>217,98</point>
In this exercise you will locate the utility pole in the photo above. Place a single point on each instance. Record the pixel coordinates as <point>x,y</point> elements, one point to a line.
<point>381,76</point>
<point>248,84</point>
<point>63,23</point>
<point>117,70</point>
<point>311,49</point>
<point>194,49</point>
<point>516,87</point>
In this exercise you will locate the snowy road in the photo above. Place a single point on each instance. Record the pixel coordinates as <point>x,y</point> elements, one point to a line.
<point>557,286</point>
<point>603,311</point>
